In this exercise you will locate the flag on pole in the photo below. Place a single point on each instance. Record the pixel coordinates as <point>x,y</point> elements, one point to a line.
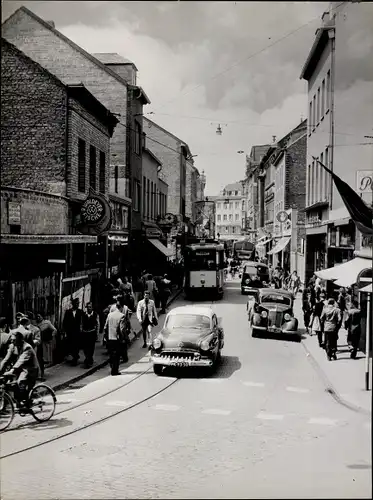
<point>360,213</point>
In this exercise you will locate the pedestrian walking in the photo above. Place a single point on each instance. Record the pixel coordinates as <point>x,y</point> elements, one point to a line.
<point>331,320</point>
<point>294,283</point>
<point>306,308</point>
<point>138,290</point>
<point>151,287</point>
<point>115,328</point>
<point>127,290</point>
<point>48,335</point>
<point>164,292</point>
<point>353,325</point>
<point>90,330</point>
<point>315,322</point>
<point>23,328</point>
<point>342,303</point>
<point>72,325</point>
<point>147,316</point>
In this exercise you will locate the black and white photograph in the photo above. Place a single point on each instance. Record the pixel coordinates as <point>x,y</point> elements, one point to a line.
<point>186,248</point>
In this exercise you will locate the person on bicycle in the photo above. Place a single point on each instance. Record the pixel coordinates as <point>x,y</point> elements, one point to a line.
<point>26,365</point>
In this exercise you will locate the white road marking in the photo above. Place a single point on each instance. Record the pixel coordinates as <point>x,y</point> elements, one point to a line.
<point>322,421</point>
<point>213,411</point>
<point>254,384</point>
<point>118,403</point>
<point>297,389</point>
<point>269,416</point>
<point>166,407</point>
<point>67,400</point>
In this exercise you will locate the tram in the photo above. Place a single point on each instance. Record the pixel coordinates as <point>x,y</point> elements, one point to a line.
<point>243,250</point>
<point>204,264</point>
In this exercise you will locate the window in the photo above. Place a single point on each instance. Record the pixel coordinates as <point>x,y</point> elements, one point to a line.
<point>144,196</point>
<point>136,196</point>
<point>316,188</point>
<point>102,179</point>
<point>81,166</point>
<point>137,142</point>
<point>116,177</point>
<point>309,185</point>
<point>326,176</point>
<point>125,217</point>
<point>92,167</point>
<point>314,112</point>
<point>233,229</point>
<point>230,206</point>
<point>312,182</point>
<point>327,91</point>
<point>323,98</point>
<point>230,217</point>
<point>236,193</point>
<point>218,206</point>
<point>321,192</point>
<point>237,205</point>
<point>219,218</point>
<point>147,198</point>
<point>225,217</point>
<point>310,118</point>
<point>243,204</point>
<point>318,105</point>
<point>237,216</point>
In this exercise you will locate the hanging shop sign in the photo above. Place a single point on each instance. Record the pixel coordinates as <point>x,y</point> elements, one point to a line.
<point>95,214</point>
<point>282,216</point>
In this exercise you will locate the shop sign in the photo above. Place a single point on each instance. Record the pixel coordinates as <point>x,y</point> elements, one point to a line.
<point>314,220</point>
<point>364,181</point>
<point>364,278</point>
<point>95,214</point>
<point>153,232</point>
<point>14,213</point>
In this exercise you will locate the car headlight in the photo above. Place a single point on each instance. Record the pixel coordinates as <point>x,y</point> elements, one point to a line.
<point>157,343</point>
<point>264,314</point>
<point>205,345</point>
<point>287,317</point>
<point>247,281</point>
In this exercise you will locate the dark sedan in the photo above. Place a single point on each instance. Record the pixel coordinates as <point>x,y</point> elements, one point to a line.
<point>191,336</point>
<point>273,313</point>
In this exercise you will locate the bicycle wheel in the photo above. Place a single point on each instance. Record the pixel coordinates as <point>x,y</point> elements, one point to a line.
<point>42,402</point>
<point>6,411</point>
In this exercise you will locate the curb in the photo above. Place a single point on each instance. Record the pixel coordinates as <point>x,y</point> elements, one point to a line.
<point>97,367</point>
<point>329,386</point>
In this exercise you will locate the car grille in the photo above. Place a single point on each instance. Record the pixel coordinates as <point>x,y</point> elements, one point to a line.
<point>178,356</point>
<point>274,318</point>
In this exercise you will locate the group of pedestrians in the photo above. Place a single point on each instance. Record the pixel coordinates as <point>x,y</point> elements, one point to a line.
<point>324,317</point>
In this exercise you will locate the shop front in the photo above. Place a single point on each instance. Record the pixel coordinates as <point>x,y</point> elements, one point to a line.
<point>341,242</point>
<point>155,253</point>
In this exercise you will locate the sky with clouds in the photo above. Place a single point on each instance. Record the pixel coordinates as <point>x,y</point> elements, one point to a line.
<point>205,63</point>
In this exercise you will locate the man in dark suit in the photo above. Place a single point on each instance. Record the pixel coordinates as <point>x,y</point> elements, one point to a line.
<point>72,325</point>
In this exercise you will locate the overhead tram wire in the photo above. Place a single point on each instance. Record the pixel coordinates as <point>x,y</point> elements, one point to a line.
<point>247,58</point>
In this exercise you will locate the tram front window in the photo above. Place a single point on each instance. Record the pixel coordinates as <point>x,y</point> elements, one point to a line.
<point>203,261</point>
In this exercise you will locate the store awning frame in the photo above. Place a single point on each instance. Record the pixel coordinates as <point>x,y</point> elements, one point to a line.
<point>344,274</point>
<point>280,245</point>
<point>167,252</point>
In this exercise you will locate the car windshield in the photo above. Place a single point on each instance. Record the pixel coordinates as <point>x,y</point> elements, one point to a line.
<point>277,299</point>
<point>193,321</point>
<point>251,270</point>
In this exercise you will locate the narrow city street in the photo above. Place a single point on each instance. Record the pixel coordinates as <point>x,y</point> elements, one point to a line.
<point>262,426</point>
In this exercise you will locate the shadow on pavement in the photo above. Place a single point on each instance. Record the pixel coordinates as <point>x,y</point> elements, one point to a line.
<point>54,423</point>
<point>280,337</point>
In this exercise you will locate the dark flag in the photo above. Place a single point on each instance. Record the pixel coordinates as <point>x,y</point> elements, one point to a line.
<point>360,213</point>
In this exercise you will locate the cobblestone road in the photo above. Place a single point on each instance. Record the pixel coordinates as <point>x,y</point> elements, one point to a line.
<point>262,426</point>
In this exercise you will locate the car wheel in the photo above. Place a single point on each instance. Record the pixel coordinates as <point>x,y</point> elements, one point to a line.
<point>158,369</point>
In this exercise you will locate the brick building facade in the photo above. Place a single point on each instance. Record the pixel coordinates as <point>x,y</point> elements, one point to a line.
<point>55,145</point>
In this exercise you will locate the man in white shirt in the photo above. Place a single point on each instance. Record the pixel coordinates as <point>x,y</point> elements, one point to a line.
<point>115,329</point>
<point>147,316</point>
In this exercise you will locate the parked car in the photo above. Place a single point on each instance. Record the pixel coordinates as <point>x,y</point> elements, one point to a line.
<point>273,313</point>
<point>255,275</point>
<point>191,336</point>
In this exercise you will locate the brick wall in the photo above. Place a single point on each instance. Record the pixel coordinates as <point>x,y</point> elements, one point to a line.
<point>295,179</point>
<point>171,161</point>
<point>71,66</point>
<point>82,125</point>
<point>33,118</point>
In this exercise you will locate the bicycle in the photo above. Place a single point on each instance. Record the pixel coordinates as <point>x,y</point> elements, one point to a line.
<point>40,403</point>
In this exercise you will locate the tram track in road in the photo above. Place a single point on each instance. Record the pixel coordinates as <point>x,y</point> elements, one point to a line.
<point>85,403</point>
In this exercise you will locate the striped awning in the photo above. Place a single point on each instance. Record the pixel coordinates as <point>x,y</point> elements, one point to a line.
<point>281,245</point>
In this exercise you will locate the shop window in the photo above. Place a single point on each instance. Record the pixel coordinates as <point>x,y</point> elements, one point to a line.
<point>333,237</point>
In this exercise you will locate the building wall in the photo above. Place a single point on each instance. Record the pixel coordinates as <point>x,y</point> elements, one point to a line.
<point>33,148</point>
<point>82,125</point>
<point>163,190</point>
<point>228,216</point>
<point>71,67</point>
<point>150,188</point>
<point>173,164</point>
<point>134,158</point>
<point>279,192</point>
<point>296,172</point>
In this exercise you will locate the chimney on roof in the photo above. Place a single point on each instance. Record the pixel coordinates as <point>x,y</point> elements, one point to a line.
<point>51,23</point>
<point>273,139</point>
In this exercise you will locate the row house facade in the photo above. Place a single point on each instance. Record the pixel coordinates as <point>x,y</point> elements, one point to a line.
<point>339,116</point>
<point>51,159</point>
<point>112,80</point>
<point>281,201</point>
<point>230,212</point>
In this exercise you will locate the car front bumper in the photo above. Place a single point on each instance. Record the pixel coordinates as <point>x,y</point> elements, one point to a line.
<point>274,329</point>
<point>181,362</point>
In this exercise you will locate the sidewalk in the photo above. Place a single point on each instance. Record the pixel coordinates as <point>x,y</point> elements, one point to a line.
<point>63,374</point>
<point>345,377</point>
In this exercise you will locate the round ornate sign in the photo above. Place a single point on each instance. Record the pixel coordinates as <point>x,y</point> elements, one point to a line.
<point>92,210</point>
<point>282,216</point>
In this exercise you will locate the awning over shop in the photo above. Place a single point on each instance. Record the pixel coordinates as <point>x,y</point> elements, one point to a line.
<point>168,252</point>
<point>262,243</point>
<point>281,245</point>
<point>346,274</point>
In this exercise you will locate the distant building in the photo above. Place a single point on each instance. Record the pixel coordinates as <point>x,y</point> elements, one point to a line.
<point>230,212</point>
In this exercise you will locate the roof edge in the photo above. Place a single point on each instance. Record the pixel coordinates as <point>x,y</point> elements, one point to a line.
<point>318,44</point>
